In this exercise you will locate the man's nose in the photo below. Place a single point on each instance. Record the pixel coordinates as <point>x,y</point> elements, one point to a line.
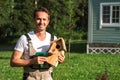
<point>41,21</point>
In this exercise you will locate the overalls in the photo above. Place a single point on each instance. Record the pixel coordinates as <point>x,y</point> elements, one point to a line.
<point>36,72</point>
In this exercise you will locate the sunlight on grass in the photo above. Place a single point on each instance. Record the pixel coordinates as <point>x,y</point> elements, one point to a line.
<point>78,67</point>
<point>7,72</point>
<point>88,66</point>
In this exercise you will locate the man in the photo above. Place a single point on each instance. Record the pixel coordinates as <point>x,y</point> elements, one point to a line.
<point>40,40</point>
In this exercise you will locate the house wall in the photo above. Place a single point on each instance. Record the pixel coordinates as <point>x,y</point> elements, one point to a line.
<point>97,34</point>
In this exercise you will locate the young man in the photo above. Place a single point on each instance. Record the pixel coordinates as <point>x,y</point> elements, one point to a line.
<point>40,40</point>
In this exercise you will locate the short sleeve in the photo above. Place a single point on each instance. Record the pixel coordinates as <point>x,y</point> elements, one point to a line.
<point>20,45</point>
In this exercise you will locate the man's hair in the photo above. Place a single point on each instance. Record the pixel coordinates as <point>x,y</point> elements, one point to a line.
<point>42,9</point>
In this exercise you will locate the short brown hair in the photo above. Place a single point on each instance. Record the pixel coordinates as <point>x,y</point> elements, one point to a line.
<point>43,9</point>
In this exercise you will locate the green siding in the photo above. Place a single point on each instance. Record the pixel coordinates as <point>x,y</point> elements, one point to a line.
<point>105,34</point>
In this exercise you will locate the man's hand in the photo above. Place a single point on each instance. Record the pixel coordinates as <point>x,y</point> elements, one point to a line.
<point>39,60</point>
<point>61,58</point>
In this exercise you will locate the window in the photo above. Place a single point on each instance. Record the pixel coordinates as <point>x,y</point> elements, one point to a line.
<point>110,14</point>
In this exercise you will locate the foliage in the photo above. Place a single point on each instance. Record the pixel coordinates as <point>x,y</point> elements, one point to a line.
<point>22,17</point>
<point>18,19</point>
<point>5,10</point>
<point>78,67</point>
<point>67,16</point>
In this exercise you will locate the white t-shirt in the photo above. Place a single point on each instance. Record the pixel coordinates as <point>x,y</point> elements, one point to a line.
<point>39,46</point>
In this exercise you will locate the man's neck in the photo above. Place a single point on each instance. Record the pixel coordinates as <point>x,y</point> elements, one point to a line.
<point>41,35</point>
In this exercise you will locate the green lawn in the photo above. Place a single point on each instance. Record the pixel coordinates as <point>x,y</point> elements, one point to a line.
<point>78,67</point>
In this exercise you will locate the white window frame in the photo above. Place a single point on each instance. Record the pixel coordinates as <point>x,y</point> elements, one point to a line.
<point>101,13</point>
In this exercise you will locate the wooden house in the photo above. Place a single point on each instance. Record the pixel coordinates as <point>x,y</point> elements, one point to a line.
<point>103,26</point>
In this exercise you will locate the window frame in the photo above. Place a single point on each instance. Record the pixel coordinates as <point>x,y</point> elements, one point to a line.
<point>101,14</point>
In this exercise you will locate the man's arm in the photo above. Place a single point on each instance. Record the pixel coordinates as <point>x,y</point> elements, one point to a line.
<point>17,61</point>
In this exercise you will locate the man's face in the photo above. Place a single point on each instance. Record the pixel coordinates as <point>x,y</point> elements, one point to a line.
<point>41,21</point>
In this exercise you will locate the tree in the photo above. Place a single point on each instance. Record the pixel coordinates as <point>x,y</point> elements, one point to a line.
<point>5,10</point>
<point>17,18</point>
<point>69,20</point>
<point>82,13</point>
<point>23,17</point>
<point>67,17</point>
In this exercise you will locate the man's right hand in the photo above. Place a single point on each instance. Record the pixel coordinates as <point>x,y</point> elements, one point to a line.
<point>39,60</point>
<point>17,61</point>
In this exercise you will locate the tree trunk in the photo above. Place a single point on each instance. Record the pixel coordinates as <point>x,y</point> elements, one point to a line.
<point>68,48</point>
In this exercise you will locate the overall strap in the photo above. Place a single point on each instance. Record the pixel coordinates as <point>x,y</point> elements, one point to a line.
<point>28,38</point>
<point>52,37</point>
<point>31,50</point>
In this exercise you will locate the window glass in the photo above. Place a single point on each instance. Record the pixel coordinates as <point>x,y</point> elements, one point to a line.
<point>106,14</point>
<point>110,14</point>
<point>115,14</point>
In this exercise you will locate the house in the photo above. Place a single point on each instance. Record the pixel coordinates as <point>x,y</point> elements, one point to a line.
<point>103,26</point>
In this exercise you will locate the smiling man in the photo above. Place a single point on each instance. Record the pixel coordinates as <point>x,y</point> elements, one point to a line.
<point>35,41</point>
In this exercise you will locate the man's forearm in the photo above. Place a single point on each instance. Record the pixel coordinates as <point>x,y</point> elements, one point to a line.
<point>20,62</point>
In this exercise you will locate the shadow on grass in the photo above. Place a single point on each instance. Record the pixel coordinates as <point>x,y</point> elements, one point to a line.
<point>78,47</point>
<point>6,47</point>
<point>4,57</point>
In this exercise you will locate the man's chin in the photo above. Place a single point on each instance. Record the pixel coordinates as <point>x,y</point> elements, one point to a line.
<point>40,29</point>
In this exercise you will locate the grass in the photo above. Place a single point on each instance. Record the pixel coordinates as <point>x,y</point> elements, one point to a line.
<point>77,67</point>
<point>7,72</point>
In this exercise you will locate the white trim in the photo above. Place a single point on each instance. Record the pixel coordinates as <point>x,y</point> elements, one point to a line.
<point>110,3</point>
<point>101,15</point>
<point>87,48</point>
<point>101,11</point>
<point>110,25</point>
<point>110,14</point>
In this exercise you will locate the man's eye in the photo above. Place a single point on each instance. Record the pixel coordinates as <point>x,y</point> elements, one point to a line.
<point>38,19</point>
<point>44,19</point>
